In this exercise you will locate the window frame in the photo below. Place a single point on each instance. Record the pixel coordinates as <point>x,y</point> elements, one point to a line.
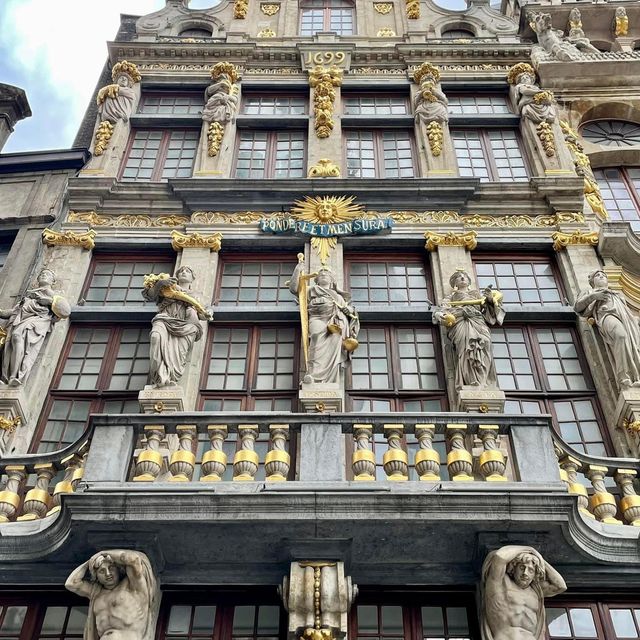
<point>263,93</point>
<point>634,195</point>
<point>173,94</point>
<point>356,93</point>
<point>161,156</point>
<point>326,18</point>
<point>270,155</point>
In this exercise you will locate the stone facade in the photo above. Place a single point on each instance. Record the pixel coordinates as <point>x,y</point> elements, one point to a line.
<point>384,147</point>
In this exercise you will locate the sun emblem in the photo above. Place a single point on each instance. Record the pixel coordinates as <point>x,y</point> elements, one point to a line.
<point>326,209</point>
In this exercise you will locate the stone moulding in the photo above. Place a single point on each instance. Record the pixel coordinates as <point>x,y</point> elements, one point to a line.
<point>181,241</point>
<point>53,238</point>
<point>467,240</point>
<point>562,240</point>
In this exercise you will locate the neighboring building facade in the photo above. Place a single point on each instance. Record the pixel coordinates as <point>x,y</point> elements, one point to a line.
<point>396,144</point>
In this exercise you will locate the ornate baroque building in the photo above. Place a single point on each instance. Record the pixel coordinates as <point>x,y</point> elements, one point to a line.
<point>329,300</point>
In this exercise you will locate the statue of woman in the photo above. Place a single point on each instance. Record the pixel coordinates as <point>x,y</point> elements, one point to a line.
<point>175,327</point>
<point>333,323</point>
<point>619,328</point>
<point>531,101</point>
<point>29,321</point>
<point>467,314</point>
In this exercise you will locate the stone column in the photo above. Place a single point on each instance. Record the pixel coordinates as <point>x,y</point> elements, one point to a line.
<point>199,252</point>
<point>217,140</point>
<point>14,107</point>
<point>318,596</point>
<point>116,104</point>
<point>430,107</point>
<point>68,256</point>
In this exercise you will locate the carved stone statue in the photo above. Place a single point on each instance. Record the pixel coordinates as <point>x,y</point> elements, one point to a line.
<point>115,101</point>
<point>221,103</point>
<point>531,101</point>
<point>430,104</point>
<point>467,315</point>
<point>123,595</point>
<point>28,323</point>
<point>175,327</point>
<point>621,22</point>
<point>330,325</point>
<point>515,582</point>
<point>550,39</point>
<point>576,35</point>
<point>619,328</point>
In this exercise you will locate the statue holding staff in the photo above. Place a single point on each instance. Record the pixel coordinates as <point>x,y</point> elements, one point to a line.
<point>330,325</point>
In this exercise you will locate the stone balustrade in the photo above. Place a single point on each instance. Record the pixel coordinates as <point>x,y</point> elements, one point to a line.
<point>604,487</point>
<point>34,484</point>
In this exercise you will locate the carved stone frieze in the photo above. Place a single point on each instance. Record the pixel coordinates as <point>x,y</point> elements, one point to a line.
<point>53,238</point>
<point>181,241</point>
<point>133,221</point>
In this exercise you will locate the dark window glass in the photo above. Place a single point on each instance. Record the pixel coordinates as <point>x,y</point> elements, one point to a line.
<point>611,133</point>
<point>379,154</point>
<point>5,246</point>
<point>103,368</point>
<point>118,280</point>
<point>270,154</point>
<point>458,34</point>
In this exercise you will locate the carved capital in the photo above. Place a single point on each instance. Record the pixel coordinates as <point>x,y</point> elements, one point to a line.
<point>181,241</point>
<point>69,238</point>
<point>562,240</point>
<point>324,168</point>
<point>467,240</point>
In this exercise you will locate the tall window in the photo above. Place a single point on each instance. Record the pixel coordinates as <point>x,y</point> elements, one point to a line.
<point>379,154</point>
<point>531,280</point>
<point>156,154</point>
<point>251,368</point>
<point>489,154</point>
<point>246,281</point>
<point>118,280</point>
<point>620,188</point>
<point>270,154</point>
<point>327,15</point>
<point>543,370</point>
<point>102,369</point>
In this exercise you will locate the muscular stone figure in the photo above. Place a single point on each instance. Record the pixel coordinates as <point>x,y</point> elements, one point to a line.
<point>515,582</point>
<point>123,595</point>
<point>550,40</point>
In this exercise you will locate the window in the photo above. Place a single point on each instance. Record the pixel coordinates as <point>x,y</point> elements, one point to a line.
<point>379,154</point>
<point>102,368</point>
<point>327,15</point>
<point>196,32</point>
<point>387,280</point>
<point>171,103</point>
<point>154,154</point>
<point>489,154</point>
<point>375,105</point>
<point>253,105</point>
<point>526,281</point>
<point>251,368</point>
<point>543,370</point>
<point>479,104</point>
<point>620,188</point>
<point>118,280</point>
<point>51,617</point>
<point>611,133</point>
<point>261,280</point>
<point>458,34</point>
<point>270,154</point>
<point>6,242</point>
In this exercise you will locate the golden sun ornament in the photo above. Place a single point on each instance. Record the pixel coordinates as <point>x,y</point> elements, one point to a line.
<point>326,210</point>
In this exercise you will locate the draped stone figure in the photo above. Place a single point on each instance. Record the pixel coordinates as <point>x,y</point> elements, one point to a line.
<point>531,101</point>
<point>430,103</point>
<point>619,328</point>
<point>175,327</point>
<point>515,582</point>
<point>27,326</point>
<point>123,594</point>
<point>577,36</point>
<point>332,323</point>
<point>467,315</point>
<point>115,101</point>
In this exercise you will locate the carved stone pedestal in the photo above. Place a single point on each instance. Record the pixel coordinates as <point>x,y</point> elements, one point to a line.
<point>321,397</point>
<point>480,399</point>
<point>164,400</point>
<point>13,414</point>
<point>627,414</point>
<point>318,597</point>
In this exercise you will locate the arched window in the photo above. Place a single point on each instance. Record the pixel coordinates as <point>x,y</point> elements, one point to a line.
<point>327,15</point>
<point>455,34</point>
<point>196,32</point>
<point>611,133</point>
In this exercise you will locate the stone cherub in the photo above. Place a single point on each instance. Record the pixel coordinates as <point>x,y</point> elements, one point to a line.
<point>619,328</point>
<point>27,326</point>
<point>515,582</point>
<point>123,595</point>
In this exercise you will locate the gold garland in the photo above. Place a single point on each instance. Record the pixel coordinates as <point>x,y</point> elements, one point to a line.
<point>413,9</point>
<point>215,133</point>
<point>545,133</point>
<point>323,80</point>
<point>240,8</point>
<point>435,136</point>
<point>103,135</point>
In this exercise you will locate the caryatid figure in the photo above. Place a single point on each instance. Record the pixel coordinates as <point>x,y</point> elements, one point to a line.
<point>530,100</point>
<point>123,593</point>
<point>619,328</point>
<point>515,582</point>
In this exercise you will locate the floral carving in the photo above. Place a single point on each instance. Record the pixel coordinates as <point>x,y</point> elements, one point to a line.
<point>323,80</point>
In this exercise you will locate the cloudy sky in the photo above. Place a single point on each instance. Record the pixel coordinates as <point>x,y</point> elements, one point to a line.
<point>55,50</point>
